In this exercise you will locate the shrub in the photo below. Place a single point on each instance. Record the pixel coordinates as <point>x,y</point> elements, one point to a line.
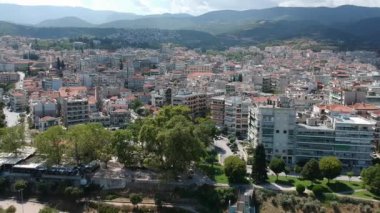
<point>11,209</point>
<point>135,199</point>
<point>20,185</point>
<point>300,188</point>
<point>318,191</point>
<point>48,210</point>
<point>311,207</point>
<point>235,169</point>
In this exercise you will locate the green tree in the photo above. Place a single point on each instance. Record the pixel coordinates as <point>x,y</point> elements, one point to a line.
<point>135,199</point>
<point>235,169</point>
<point>259,166</point>
<point>47,209</point>
<point>12,138</point>
<point>73,193</point>
<point>300,188</point>
<point>86,140</point>
<point>135,104</point>
<point>277,165</point>
<point>205,131</point>
<point>124,147</point>
<point>287,171</point>
<point>310,170</point>
<point>20,185</point>
<point>350,174</point>
<point>180,147</point>
<point>330,167</point>
<point>51,144</point>
<point>371,178</point>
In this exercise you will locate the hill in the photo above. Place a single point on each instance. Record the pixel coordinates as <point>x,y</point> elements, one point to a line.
<point>31,15</point>
<point>65,22</point>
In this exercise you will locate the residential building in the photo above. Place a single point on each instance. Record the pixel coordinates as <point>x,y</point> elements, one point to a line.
<point>272,124</point>
<point>18,100</point>
<point>74,111</point>
<point>236,116</point>
<point>217,110</point>
<point>9,77</point>
<point>195,101</point>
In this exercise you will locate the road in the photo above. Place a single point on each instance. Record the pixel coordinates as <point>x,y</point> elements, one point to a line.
<point>223,150</point>
<point>13,117</point>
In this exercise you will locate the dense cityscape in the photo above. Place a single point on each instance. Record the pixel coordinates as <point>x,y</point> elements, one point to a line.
<point>86,126</point>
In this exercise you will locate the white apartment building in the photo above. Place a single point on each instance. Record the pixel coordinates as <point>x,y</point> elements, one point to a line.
<point>272,124</point>
<point>348,137</point>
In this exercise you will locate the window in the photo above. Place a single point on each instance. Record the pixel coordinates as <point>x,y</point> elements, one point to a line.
<point>277,131</point>
<point>285,131</point>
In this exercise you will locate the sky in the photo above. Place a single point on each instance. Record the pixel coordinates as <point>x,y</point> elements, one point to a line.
<point>194,7</point>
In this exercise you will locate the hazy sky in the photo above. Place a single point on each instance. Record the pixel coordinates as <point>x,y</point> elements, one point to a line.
<point>194,7</point>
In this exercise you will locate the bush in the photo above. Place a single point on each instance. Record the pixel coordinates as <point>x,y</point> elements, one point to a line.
<point>11,209</point>
<point>73,192</point>
<point>318,191</point>
<point>300,188</point>
<point>48,210</point>
<point>135,199</point>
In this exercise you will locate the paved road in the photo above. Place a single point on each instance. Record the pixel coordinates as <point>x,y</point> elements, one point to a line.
<point>11,117</point>
<point>223,150</point>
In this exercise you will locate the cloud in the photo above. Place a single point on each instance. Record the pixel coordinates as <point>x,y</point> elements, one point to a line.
<point>327,3</point>
<point>195,7</point>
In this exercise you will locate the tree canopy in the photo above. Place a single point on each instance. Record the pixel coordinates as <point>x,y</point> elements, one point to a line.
<point>277,165</point>
<point>235,169</point>
<point>330,167</point>
<point>51,144</point>
<point>310,170</point>
<point>259,166</point>
<point>371,177</point>
<point>12,138</point>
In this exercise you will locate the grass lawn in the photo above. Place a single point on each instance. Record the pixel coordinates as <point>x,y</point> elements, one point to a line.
<point>334,185</point>
<point>366,194</point>
<point>216,172</point>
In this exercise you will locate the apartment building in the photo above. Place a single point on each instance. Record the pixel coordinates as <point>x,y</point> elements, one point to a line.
<point>346,136</point>
<point>9,77</point>
<point>74,110</point>
<point>217,110</point>
<point>236,116</point>
<point>195,101</point>
<point>272,124</point>
<point>18,100</point>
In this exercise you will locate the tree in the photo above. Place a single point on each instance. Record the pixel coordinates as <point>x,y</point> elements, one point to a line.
<point>300,188</point>
<point>287,171</point>
<point>135,104</point>
<point>73,192</point>
<point>47,209</point>
<point>259,167</point>
<point>330,167</point>
<point>20,185</point>
<point>205,130</point>
<point>85,141</point>
<point>124,147</point>
<point>371,177</point>
<point>11,139</point>
<point>350,174</point>
<point>135,199</point>
<point>51,144</point>
<point>277,165</point>
<point>235,169</point>
<point>310,170</point>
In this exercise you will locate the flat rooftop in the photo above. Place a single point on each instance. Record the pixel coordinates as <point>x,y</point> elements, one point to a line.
<point>353,120</point>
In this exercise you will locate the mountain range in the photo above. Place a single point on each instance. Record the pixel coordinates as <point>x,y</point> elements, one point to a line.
<point>348,26</point>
